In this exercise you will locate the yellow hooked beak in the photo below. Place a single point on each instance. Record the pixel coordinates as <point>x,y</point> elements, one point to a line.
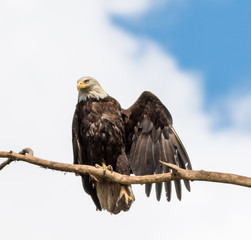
<point>81,85</point>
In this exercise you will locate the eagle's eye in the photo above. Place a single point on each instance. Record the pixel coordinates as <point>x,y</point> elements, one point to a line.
<point>86,81</point>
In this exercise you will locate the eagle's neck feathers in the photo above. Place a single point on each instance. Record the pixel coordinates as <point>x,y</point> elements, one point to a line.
<point>95,92</point>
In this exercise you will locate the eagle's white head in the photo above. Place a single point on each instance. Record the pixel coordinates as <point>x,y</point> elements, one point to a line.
<point>89,87</point>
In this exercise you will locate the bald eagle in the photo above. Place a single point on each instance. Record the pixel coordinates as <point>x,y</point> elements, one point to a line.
<point>126,141</point>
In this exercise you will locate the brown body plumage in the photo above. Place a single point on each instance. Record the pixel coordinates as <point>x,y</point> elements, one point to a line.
<point>131,141</point>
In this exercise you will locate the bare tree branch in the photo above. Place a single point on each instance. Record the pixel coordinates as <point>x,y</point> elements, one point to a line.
<point>177,173</point>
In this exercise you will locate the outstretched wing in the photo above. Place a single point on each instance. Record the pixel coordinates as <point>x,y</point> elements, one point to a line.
<point>150,137</point>
<point>80,158</point>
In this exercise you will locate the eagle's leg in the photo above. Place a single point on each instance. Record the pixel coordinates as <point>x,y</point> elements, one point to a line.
<point>109,167</point>
<point>127,194</point>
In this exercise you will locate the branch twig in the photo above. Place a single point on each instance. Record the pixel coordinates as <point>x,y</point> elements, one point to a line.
<point>5,163</point>
<point>124,179</point>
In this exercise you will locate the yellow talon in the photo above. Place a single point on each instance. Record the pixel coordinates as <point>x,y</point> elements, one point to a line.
<point>123,193</point>
<point>109,167</point>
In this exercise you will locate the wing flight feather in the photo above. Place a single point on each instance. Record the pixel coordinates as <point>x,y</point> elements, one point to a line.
<point>150,138</point>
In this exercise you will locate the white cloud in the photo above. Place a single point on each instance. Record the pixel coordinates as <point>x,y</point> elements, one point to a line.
<point>240,111</point>
<point>129,7</point>
<point>24,7</point>
<point>42,56</point>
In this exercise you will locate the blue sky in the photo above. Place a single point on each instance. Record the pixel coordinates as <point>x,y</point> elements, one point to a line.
<point>212,37</point>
